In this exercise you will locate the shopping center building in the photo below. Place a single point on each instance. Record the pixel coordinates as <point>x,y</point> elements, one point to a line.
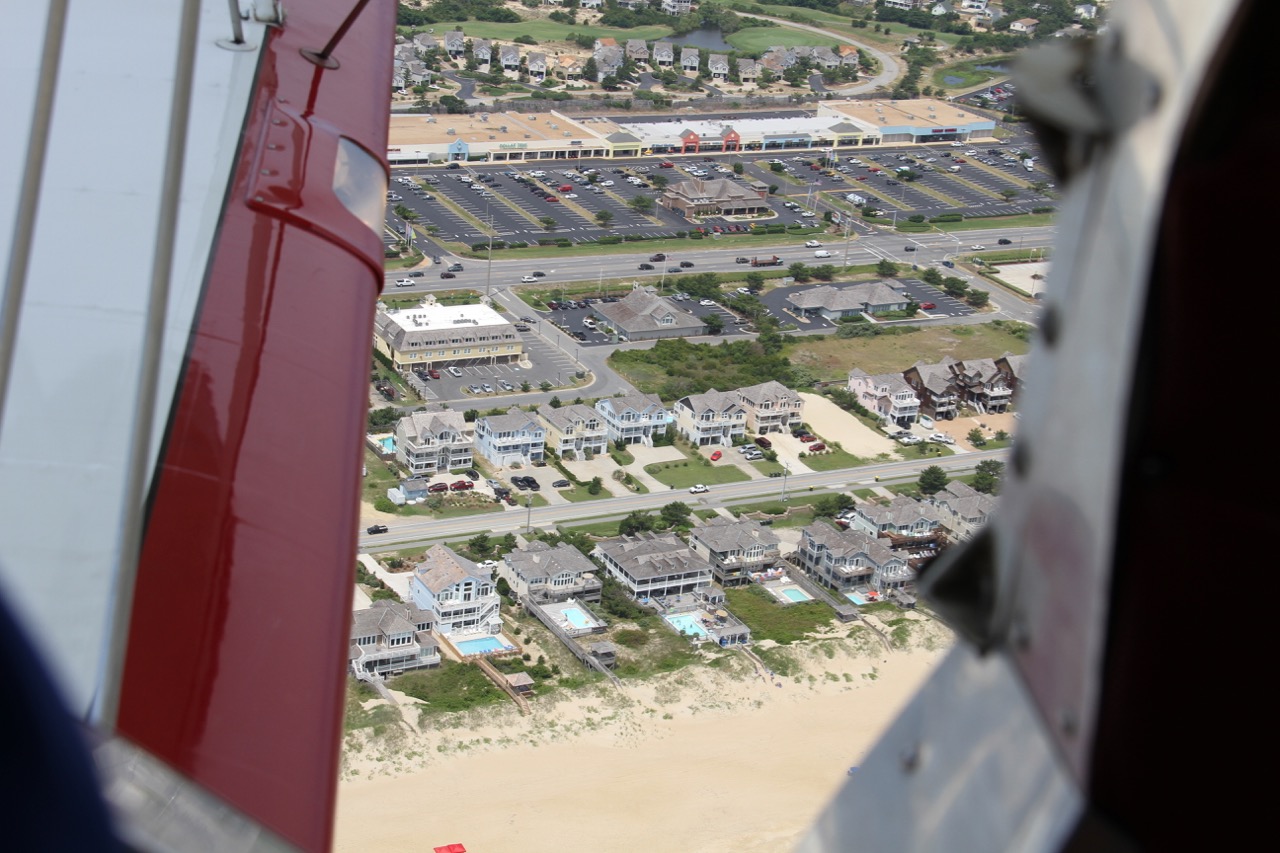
<point>505,137</point>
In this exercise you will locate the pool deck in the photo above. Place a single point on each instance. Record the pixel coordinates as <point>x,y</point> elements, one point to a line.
<point>556,610</point>
<point>449,645</point>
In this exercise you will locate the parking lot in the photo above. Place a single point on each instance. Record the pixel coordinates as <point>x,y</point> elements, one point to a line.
<point>511,196</point>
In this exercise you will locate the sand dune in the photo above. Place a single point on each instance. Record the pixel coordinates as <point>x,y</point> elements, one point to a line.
<point>706,759</point>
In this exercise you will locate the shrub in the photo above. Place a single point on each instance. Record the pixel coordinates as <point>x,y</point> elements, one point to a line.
<point>383,503</point>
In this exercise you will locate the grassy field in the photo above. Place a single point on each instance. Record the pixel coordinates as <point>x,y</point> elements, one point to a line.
<point>579,494</point>
<point>648,646</point>
<point>742,244</point>
<point>1018,220</point>
<point>593,528</point>
<point>769,620</point>
<point>832,459</point>
<point>973,76</point>
<point>760,39</point>
<point>450,687</point>
<point>830,357</point>
<point>682,475</point>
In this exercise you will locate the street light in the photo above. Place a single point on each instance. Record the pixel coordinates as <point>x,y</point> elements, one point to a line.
<point>786,469</point>
<point>489,265</point>
<point>528,518</point>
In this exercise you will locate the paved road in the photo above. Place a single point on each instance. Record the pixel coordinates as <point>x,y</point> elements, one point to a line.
<point>412,531</point>
<point>889,68</point>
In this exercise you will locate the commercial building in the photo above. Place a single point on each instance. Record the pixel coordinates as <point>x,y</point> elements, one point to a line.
<point>433,336</point>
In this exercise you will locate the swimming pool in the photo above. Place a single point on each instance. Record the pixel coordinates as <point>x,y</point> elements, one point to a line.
<point>687,623</point>
<point>577,618</point>
<point>796,594</point>
<point>483,645</point>
<point>388,444</point>
<point>855,598</point>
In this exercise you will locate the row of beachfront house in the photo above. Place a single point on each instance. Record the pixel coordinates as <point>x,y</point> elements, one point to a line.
<point>436,441</point>
<point>939,390</point>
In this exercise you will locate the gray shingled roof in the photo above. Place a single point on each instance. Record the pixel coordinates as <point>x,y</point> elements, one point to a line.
<point>419,425</point>
<point>901,512</point>
<point>772,391</point>
<point>728,534</point>
<point>849,543</point>
<point>855,297</point>
<point>654,555</point>
<point>716,401</point>
<point>514,420</point>
<point>388,617</point>
<point>570,416</point>
<point>442,568</point>
<point>641,311</point>
<point>540,560</point>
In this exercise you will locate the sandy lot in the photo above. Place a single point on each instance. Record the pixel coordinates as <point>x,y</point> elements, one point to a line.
<point>1020,275</point>
<point>703,759</point>
<point>833,423</point>
<point>989,424</point>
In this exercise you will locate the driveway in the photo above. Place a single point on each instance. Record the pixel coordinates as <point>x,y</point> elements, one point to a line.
<point>398,581</point>
<point>647,456</point>
<point>602,466</point>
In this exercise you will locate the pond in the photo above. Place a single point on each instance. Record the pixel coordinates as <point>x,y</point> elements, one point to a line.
<point>705,38</point>
<point>1000,69</point>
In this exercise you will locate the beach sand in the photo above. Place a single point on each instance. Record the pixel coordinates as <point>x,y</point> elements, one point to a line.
<point>707,758</point>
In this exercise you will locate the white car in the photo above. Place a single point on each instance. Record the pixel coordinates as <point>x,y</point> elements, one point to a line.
<point>527,279</point>
<point>569,195</point>
<point>404,282</point>
<point>706,303</point>
<point>822,253</point>
<point>808,214</point>
<point>977,248</point>
<point>606,183</point>
<point>812,244</point>
<point>698,489</point>
<point>942,438</point>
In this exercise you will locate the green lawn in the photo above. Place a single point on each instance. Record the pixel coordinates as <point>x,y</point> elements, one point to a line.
<point>682,475</point>
<point>833,459</point>
<point>764,466</point>
<point>738,243</point>
<point>1020,220</point>
<point>579,494</point>
<point>593,528</point>
<point>769,620</point>
<point>450,687</point>
<point>967,69</point>
<point>760,39</point>
<point>545,31</point>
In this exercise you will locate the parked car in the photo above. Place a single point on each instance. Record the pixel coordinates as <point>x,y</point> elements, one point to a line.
<point>455,372</point>
<point>433,373</point>
<point>532,484</point>
<point>807,438</point>
<point>715,457</point>
<point>376,528</point>
<point>461,486</point>
<point>942,438</point>
<point>928,306</point>
<point>764,442</point>
<point>698,489</point>
<point>817,448</point>
<point>438,487</point>
<point>561,484</point>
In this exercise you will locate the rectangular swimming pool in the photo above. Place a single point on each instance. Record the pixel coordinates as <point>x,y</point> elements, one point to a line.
<point>855,598</point>
<point>480,646</point>
<point>796,594</point>
<point>388,444</point>
<point>687,623</point>
<point>577,618</point>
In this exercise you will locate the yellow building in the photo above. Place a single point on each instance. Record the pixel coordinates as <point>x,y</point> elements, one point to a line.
<point>440,336</point>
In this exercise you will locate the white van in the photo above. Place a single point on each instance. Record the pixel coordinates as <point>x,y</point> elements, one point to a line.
<point>954,169</point>
<point>822,253</point>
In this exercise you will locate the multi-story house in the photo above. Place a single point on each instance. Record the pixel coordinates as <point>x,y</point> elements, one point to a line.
<point>735,548</point>
<point>886,394</point>
<point>574,431</point>
<point>981,384</point>
<point>431,442</point>
<point>547,573</point>
<point>633,418</point>
<point>676,7</point>
<point>1014,368</point>
<point>389,638</point>
<point>664,55</point>
<point>434,336</point>
<point>608,60</point>
<point>848,54</point>
<point>715,417</point>
<point>458,593</point>
<point>569,67</point>
<point>652,565</point>
<point>537,66</point>
<point>848,559</point>
<point>455,44</point>
<point>690,59</point>
<point>963,509</point>
<point>771,407</point>
<point>509,57</point>
<point>516,438</point>
<point>718,66</point>
<point>637,50</point>
<point>748,70</point>
<point>902,517</point>
<point>1024,26</point>
<point>933,384</point>
<point>482,50</point>
<point>825,57</point>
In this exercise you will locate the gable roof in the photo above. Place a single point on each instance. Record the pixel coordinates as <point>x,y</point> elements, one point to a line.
<point>540,560</point>
<point>855,297</point>
<point>514,420</point>
<point>734,534</point>
<point>569,416</point>
<point>713,400</point>
<point>421,424</point>
<point>642,311</point>
<point>771,392</point>
<point>441,568</point>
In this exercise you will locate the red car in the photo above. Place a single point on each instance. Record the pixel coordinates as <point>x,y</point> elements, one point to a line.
<point>716,456</point>
<point>551,198</point>
<point>438,487</point>
<point>814,448</point>
<point>433,373</point>
<point>861,177</point>
<point>665,165</point>
<point>461,486</point>
<point>808,437</point>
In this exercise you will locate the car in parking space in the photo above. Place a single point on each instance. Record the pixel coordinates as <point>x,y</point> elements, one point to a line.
<point>942,438</point>
<point>764,442</point>
<point>706,303</point>
<point>474,389</point>
<point>561,484</point>
<point>461,486</point>
<point>646,266</point>
<point>487,388</point>
<point>909,439</point>
<point>754,455</point>
<point>506,386</point>
<point>928,306</point>
<point>433,373</point>
<point>438,487</point>
<point>376,528</point>
<point>525,279</point>
<point>1004,241</point>
<point>817,448</point>
<point>686,264</point>
<point>698,489</point>
<point>471,474</point>
<point>808,214</point>
<point>455,372</point>
<point>715,457</point>
<point>551,198</point>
